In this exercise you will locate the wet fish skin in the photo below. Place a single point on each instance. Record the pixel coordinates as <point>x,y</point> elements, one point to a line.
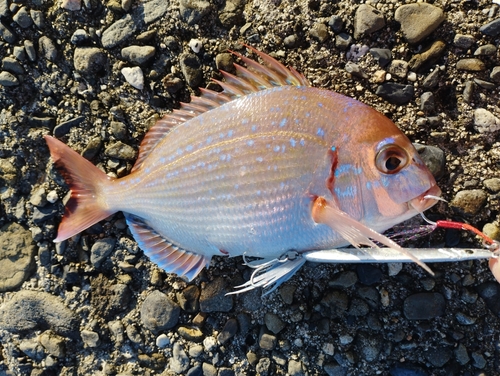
<point>242,177</point>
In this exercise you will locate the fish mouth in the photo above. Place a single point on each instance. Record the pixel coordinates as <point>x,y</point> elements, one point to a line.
<point>426,200</point>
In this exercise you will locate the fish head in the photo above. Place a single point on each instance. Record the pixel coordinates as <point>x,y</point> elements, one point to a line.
<point>394,183</point>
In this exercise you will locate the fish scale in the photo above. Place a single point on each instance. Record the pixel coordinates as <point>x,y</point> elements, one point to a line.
<point>267,166</point>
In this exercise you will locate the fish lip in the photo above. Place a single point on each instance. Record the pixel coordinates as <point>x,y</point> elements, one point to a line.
<point>421,203</point>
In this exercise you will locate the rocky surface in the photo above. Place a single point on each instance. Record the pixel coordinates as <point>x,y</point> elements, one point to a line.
<point>99,74</point>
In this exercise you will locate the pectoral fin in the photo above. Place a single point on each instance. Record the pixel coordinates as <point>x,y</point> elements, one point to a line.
<point>495,267</point>
<point>356,233</point>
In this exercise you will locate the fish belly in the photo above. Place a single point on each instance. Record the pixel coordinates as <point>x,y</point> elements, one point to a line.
<point>240,178</point>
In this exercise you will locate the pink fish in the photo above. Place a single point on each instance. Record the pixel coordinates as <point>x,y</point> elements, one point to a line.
<point>268,166</point>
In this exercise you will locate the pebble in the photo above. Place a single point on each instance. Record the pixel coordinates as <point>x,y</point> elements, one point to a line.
<point>47,48</point>
<point>191,69</point>
<point>191,334</point>
<point>461,354</point>
<point>486,50</point>
<point>17,256</point>
<point>336,23</point>
<point>118,32</point>
<point>39,197</point>
<point>343,41</point>
<point>425,59</point>
<point>418,20</point>
<point>71,5</point>
<point>100,251</point>
<point>179,362</point>
<point>195,45</point>
<point>188,299</point>
<point>119,150</point>
<point>492,28</point>
<point>38,310</point>
<point>358,308</point>
<point>134,76</point>
<point>159,312</point>
<point>228,331</point>
<point>433,157</point>
<point>355,70</point>
<point>4,8</point>
<point>395,93</point>
<point>209,370</point>
<point>38,18</point>
<point>478,360</point>
<point>492,184</point>
<point>133,334</point>
<point>382,55</point>
<point>232,14</point>
<point>7,79</point>
<point>90,338</point>
<point>195,350</point>
<point>492,230</point>
<point>138,55</point>
<point>295,368</point>
<point>7,33</point>
<point>273,323</point>
<point>92,148</point>
<point>468,92</point>
<point>19,53</point>
<point>53,343</point>
<point>89,60</point>
<point>495,74</point>
<point>427,102</point>
<point>334,304</point>
<point>439,356</point>
<point>225,62</point>
<point>30,50</point>
<point>213,297</point>
<point>398,68</point>
<point>343,280</point>
<point>79,37</point>
<point>193,11</point>
<point>469,201</point>
<point>464,319</point>
<point>150,11</point>
<point>367,20</point>
<point>32,349</point>
<point>63,128</point>
<point>485,121</point>
<point>23,18</point>
<point>424,306</point>
<point>319,32</point>
<point>11,65</point>
<point>485,84</point>
<point>210,344</point>
<point>267,341</point>
<point>464,41</point>
<point>368,346</point>
<point>471,65</point>
<point>162,341</point>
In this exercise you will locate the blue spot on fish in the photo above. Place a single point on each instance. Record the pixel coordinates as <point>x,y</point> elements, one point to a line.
<point>302,142</point>
<point>320,104</point>
<point>254,128</point>
<point>320,132</point>
<point>250,142</point>
<point>293,142</point>
<point>230,133</point>
<point>283,122</point>
<point>308,114</point>
<point>189,147</point>
<point>245,121</point>
<point>259,159</point>
<point>209,139</point>
<point>277,148</point>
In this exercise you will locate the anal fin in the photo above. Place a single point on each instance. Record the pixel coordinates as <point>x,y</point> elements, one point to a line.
<point>162,252</point>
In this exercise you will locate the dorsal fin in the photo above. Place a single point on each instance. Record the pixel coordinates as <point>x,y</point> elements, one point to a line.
<point>162,252</point>
<point>254,78</point>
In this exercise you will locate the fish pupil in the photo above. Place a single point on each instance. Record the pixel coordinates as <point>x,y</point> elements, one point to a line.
<point>392,163</point>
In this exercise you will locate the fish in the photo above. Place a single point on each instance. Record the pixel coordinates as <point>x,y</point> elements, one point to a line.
<point>269,168</point>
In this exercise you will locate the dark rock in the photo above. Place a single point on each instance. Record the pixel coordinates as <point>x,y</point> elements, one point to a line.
<point>118,32</point>
<point>492,28</point>
<point>426,59</point>
<point>189,299</point>
<point>395,93</point>
<point>158,312</point>
<point>336,23</point>
<point>228,332</point>
<point>63,128</point>
<point>90,60</point>
<point>194,10</point>
<point>213,297</point>
<point>433,158</point>
<point>191,69</point>
<point>424,306</point>
<point>334,304</point>
<point>101,249</point>
<point>367,20</point>
<point>382,55</point>
<point>368,346</point>
<point>368,274</point>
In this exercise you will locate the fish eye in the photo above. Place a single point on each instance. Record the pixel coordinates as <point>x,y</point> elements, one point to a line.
<point>391,159</point>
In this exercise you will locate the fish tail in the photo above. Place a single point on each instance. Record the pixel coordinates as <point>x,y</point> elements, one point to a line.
<point>87,206</point>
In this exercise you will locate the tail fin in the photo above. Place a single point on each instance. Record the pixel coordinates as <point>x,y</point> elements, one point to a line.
<point>87,206</point>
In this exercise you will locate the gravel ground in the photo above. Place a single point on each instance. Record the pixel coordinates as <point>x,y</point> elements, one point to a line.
<point>98,75</point>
